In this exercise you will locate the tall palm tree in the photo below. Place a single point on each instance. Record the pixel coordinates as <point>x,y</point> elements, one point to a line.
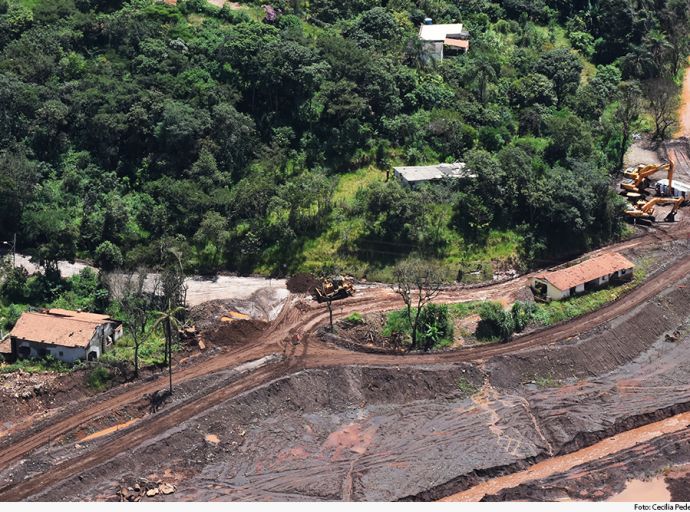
<point>167,321</point>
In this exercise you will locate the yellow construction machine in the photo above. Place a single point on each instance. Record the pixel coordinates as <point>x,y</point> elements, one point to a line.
<point>335,288</point>
<point>643,212</point>
<point>637,178</point>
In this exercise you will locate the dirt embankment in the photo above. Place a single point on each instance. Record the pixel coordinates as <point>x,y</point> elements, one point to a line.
<point>422,432</point>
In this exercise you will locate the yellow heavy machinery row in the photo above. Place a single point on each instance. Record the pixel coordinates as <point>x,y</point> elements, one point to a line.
<point>637,178</point>
<point>635,185</point>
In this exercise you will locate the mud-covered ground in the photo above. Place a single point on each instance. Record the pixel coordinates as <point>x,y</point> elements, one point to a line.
<point>660,468</point>
<point>424,432</point>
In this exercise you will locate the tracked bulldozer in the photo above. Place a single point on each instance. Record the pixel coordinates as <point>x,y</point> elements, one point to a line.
<point>334,288</point>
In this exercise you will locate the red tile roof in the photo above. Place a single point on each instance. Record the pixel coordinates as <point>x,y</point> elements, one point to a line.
<point>59,327</point>
<point>586,271</point>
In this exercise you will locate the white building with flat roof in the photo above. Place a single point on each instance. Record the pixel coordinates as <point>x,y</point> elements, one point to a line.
<point>412,176</point>
<point>438,37</point>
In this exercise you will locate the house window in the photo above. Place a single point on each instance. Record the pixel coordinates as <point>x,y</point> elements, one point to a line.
<point>61,354</point>
<point>623,271</point>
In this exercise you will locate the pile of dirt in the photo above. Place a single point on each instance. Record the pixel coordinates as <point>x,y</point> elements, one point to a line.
<point>263,304</point>
<point>23,394</point>
<point>230,322</point>
<point>302,283</point>
<point>233,333</point>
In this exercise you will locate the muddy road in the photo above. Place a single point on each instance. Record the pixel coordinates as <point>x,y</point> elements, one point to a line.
<point>567,354</point>
<point>352,432</point>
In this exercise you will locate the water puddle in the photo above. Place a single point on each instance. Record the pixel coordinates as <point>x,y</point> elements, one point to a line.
<point>639,490</point>
<point>563,463</point>
<point>109,430</point>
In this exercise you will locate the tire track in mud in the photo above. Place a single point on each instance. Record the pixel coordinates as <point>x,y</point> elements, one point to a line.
<point>135,436</point>
<point>311,354</point>
<point>564,463</point>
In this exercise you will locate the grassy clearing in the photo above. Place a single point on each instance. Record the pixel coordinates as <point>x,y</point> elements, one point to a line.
<point>337,243</point>
<point>464,309</point>
<point>151,351</point>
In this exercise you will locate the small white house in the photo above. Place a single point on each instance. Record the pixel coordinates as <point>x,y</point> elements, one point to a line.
<point>588,275</point>
<point>66,335</point>
<point>438,37</point>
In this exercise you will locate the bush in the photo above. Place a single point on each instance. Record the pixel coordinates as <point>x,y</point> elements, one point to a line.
<point>355,318</point>
<point>98,378</point>
<point>435,327</point>
<point>397,324</point>
<point>496,323</point>
<point>14,288</point>
<point>523,314</point>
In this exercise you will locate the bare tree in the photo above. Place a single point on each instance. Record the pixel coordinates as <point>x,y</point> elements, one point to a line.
<point>136,304</point>
<point>662,99</point>
<point>418,282</point>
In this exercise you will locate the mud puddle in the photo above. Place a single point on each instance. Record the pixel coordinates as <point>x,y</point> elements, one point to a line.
<point>640,490</point>
<point>564,463</point>
<point>109,430</point>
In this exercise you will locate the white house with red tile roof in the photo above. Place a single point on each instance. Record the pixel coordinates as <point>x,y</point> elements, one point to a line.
<point>66,335</point>
<point>590,274</point>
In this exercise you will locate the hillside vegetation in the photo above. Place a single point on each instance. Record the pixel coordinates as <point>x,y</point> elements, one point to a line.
<point>259,140</point>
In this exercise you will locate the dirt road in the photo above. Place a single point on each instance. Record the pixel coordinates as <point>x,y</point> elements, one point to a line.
<point>302,317</point>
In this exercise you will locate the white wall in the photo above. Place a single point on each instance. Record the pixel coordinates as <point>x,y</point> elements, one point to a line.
<point>98,344</point>
<point>66,354</point>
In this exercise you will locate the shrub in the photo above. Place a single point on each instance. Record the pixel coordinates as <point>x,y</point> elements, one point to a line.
<point>435,327</point>
<point>355,318</point>
<point>108,256</point>
<point>98,378</point>
<point>14,288</point>
<point>495,323</point>
<point>523,314</point>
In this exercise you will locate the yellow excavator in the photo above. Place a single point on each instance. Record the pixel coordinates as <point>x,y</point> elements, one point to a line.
<point>637,178</point>
<point>643,212</point>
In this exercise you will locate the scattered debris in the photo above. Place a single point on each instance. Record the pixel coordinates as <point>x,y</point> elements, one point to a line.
<point>145,488</point>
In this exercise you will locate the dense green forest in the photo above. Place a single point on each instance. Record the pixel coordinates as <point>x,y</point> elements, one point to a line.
<point>259,139</point>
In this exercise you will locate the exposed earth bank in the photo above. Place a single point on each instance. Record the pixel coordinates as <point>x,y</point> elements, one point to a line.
<point>413,432</point>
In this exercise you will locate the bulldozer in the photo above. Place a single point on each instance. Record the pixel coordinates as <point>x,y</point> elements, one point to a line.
<point>637,178</point>
<point>334,288</point>
<point>643,212</point>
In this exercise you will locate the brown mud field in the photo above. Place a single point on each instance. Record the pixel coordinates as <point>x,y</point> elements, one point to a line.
<point>387,432</point>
